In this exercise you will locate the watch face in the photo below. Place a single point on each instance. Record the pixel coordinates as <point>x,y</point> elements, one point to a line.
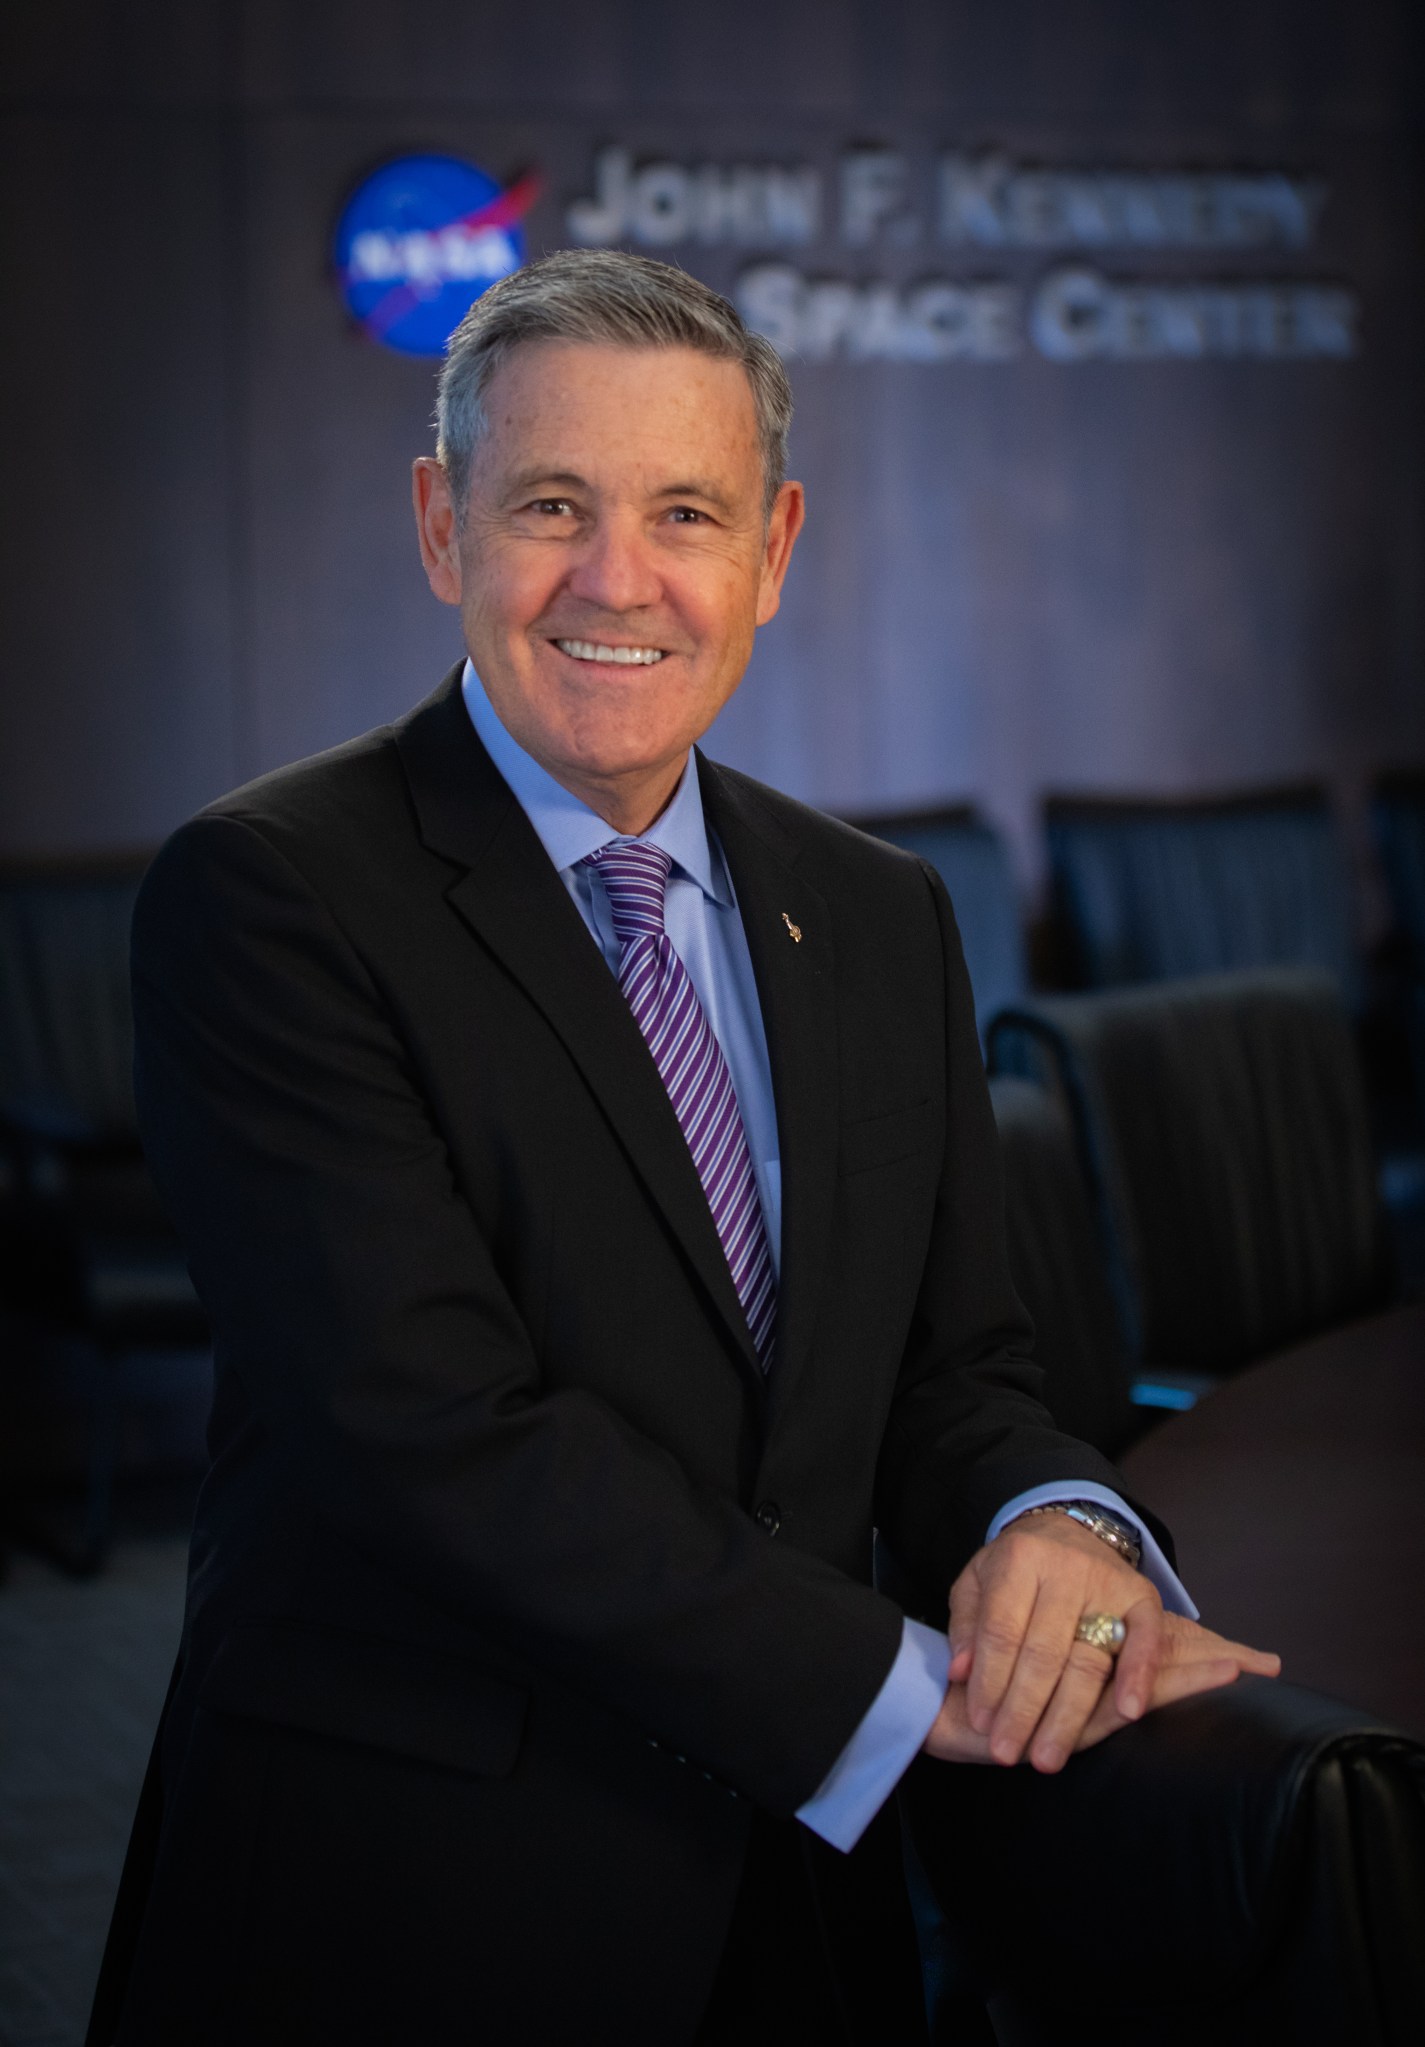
<point>1117,1533</point>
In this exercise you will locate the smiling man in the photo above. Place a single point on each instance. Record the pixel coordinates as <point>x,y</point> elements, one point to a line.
<point>584,1156</point>
<point>613,554</point>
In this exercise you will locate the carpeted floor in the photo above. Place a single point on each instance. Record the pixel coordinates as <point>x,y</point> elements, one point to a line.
<point>83,1670</point>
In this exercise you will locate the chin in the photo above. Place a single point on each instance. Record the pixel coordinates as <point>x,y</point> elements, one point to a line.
<point>630,750</point>
<point>617,764</point>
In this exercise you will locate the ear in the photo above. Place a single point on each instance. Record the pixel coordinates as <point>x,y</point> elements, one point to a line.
<point>435,524</point>
<point>788,512</point>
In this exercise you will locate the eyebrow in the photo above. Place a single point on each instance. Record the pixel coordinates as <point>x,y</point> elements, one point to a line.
<point>551,480</point>
<point>697,487</point>
<point>546,479</point>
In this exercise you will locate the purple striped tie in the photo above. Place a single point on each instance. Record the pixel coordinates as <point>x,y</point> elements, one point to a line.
<point>688,1056</point>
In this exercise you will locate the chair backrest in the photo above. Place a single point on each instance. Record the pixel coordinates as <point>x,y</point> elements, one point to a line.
<point>1398,814</point>
<point>1223,1126</point>
<point>66,1031</point>
<point>973,862</point>
<point>1154,891</point>
<point>1056,1255</point>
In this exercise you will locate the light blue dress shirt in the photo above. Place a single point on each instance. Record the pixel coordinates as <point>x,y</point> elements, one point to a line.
<point>702,920</point>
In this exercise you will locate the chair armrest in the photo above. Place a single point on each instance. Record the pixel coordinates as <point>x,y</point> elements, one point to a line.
<point>1258,1850</point>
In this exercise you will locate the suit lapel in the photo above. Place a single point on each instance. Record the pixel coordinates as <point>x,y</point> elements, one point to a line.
<point>513,900</point>
<point>796,983</point>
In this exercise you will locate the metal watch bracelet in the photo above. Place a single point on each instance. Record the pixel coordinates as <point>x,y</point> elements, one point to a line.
<point>1119,1534</point>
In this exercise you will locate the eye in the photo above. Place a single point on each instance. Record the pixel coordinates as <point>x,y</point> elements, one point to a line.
<point>552,507</point>
<point>688,515</point>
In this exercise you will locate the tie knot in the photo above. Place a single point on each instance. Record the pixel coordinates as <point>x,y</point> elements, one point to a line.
<point>636,876</point>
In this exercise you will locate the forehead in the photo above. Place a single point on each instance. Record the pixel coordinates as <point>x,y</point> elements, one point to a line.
<point>577,404</point>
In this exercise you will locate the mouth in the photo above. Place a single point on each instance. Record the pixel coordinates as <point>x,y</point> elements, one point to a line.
<point>600,650</point>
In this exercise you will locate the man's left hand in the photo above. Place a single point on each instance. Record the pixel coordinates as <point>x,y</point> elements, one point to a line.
<point>1014,1612</point>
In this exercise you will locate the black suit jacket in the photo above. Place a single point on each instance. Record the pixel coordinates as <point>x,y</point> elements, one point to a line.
<point>515,1587</point>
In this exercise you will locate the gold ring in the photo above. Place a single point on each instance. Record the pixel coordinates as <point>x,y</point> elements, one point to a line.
<point>1102,1631</point>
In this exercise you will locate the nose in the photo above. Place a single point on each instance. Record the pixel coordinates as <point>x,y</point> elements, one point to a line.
<point>616,567</point>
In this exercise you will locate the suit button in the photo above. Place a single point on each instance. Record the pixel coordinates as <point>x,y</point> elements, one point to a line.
<point>768,1517</point>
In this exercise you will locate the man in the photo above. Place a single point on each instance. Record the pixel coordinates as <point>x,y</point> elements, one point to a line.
<point>585,1159</point>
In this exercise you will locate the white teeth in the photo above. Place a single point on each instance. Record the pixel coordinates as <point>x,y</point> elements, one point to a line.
<point>622,657</point>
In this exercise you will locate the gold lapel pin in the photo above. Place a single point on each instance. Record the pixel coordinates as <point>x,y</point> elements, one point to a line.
<point>795,929</point>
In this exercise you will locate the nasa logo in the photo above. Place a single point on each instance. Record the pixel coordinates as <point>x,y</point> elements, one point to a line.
<point>419,240</point>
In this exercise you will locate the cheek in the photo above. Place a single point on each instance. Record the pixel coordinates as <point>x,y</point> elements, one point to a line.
<point>732,627</point>
<point>505,591</point>
<point>724,607</point>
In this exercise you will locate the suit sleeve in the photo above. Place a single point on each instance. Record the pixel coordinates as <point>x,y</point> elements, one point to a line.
<point>352,1292</point>
<point>968,1429</point>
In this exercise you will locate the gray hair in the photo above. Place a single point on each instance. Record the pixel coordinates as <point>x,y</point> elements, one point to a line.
<point>602,296</point>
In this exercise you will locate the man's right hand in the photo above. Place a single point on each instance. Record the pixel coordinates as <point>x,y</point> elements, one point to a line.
<point>1194,1660</point>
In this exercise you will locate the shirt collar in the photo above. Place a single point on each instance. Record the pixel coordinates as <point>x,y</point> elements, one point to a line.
<point>568,830</point>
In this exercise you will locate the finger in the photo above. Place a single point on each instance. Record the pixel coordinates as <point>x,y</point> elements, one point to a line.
<point>1046,1652</point>
<point>1006,1609</point>
<point>1259,1662</point>
<point>1179,1682</point>
<point>1188,1641</point>
<point>1140,1658</point>
<point>1190,1678</point>
<point>964,1618</point>
<point>1085,1688</point>
<point>1081,1690</point>
<point>1204,1662</point>
<point>952,1739</point>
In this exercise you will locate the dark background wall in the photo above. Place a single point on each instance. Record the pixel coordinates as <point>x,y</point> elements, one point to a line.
<point>1142,575</point>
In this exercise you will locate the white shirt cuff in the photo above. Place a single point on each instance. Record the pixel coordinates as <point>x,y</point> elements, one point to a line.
<point>885,1744</point>
<point>1155,1566</point>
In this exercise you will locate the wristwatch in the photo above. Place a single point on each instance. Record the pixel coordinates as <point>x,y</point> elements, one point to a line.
<point>1120,1535</point>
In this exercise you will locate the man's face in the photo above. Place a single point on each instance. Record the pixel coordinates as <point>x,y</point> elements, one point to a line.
<point>614,562</point>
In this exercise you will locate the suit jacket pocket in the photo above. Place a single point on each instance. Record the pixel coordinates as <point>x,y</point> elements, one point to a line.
<point>881,1140</point>
<point>389,1695</point>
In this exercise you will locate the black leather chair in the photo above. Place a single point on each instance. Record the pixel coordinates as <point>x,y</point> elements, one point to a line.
<point>1156,889</point>
<point>1243,1867</point>
<point>85,1246</point>
<point>1398,817</point>
<point>1223,1128</point>
<point>973,862</point>
<point>1057,1257</point>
